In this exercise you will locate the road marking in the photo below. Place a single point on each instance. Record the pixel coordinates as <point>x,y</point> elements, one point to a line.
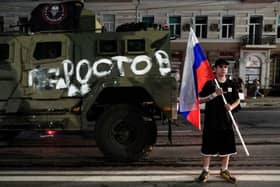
<point>134,176</point>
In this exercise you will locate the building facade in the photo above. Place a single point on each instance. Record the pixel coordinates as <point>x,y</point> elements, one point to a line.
<point>245,32</point>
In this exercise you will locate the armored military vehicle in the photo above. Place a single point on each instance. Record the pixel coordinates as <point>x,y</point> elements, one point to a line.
<point>61,76</point>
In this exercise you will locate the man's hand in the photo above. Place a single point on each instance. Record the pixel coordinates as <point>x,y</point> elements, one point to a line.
<point>228,107</point>
<point>219,91</point>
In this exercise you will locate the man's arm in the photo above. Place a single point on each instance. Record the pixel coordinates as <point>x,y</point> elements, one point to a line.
<point>218,91</point>
<point>232,106</point>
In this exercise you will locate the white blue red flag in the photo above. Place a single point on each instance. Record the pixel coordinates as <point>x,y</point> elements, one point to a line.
<point>197,71</point>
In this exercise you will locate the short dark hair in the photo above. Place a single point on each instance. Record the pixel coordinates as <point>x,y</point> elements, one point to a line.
<point>220,61</point>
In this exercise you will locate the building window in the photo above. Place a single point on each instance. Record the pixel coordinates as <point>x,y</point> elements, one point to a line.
<point>201,26</point>
<point>148,20</point>
<point>1,24</point>
<point>23,24</point>
<point>109,22</point>
<point>175,26</point>
<point>255,30</point>
<point>278,27</point>
<point>228,27</point>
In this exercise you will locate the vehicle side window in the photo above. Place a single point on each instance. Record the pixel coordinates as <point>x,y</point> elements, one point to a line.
<point>47,50</point>
<point>136,45</point>
<point>108,46</point>
<point>4,52</point>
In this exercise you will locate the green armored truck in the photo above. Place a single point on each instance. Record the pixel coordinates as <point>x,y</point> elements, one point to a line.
<point>62,75</point>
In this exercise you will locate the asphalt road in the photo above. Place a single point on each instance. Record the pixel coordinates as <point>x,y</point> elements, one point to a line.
<point>32,161</point>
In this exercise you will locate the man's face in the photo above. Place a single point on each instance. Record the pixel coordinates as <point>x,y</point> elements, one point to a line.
<point>221,70</point>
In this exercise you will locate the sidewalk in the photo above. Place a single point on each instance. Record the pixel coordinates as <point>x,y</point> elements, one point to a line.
<point>140,177</point>
<point>261,103</point>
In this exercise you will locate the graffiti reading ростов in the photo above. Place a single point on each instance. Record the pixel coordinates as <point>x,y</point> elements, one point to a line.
<point>50,77</point>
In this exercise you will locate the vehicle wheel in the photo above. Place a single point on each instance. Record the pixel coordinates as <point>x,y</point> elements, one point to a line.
<point>122,134</point>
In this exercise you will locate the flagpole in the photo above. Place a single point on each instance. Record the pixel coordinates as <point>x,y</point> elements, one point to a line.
<point>234,122</point>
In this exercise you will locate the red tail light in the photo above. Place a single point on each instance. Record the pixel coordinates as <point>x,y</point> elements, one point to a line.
<point>50,132</point>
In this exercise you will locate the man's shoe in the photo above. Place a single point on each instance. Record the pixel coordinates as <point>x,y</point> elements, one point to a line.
<point>203,177</point>
<point>226,175</point>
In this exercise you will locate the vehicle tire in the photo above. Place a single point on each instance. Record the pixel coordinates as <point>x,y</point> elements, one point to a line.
<point>122,134</point>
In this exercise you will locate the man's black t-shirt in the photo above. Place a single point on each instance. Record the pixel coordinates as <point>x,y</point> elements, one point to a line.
<point>216,115</point>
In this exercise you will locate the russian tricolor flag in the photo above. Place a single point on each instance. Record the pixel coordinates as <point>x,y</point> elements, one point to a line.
<point>197,71</point>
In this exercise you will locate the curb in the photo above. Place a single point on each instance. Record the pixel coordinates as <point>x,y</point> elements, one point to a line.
<point>260,108</point>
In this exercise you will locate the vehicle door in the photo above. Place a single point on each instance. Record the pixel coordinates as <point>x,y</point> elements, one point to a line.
<point>45,68</point>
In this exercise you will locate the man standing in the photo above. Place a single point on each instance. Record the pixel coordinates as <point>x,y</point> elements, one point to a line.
<point>218,135</point>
